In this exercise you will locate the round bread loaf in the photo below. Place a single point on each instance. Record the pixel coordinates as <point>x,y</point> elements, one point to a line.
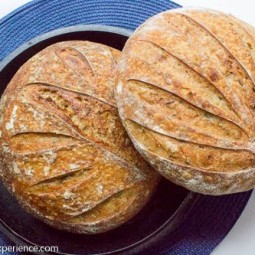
<point>65,153</point>
<point>185,93</point>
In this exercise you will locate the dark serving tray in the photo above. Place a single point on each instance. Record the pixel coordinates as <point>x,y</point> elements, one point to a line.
<point>166,210</point>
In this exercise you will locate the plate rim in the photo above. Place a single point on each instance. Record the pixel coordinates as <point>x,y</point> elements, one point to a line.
<point>62,31</point>
<point>188,203</point>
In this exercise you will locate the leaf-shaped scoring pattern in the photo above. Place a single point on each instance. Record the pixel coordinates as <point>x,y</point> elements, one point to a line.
<point>185,92</point>
<point>67,156</point>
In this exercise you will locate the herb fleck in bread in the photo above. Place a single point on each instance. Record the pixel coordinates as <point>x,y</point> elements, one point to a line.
<point>65,154</point>
<point>185,93</point>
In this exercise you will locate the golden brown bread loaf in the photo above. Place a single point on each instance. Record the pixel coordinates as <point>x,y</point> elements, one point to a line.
<point>65,154</point>
<point>185,93</point>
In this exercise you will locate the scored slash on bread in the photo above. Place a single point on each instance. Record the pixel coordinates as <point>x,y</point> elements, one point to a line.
<point>65,153</point>
<point>185,92</point>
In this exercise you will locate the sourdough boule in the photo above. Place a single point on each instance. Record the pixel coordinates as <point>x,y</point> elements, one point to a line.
<point>185,93</point>
<point>65,154</point>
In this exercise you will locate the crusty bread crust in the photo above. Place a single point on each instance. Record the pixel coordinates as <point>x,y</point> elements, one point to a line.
<point>185,93</point>
<point>65,154</point>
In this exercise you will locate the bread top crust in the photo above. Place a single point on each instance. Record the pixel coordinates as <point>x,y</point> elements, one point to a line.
<point>185,92</point>
<point>66,155</point>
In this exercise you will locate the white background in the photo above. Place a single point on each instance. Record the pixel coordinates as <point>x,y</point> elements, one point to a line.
<point>241,239</point>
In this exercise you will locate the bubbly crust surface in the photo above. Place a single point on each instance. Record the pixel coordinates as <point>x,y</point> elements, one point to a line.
<point>185,93</point>
<point>65,153</point>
